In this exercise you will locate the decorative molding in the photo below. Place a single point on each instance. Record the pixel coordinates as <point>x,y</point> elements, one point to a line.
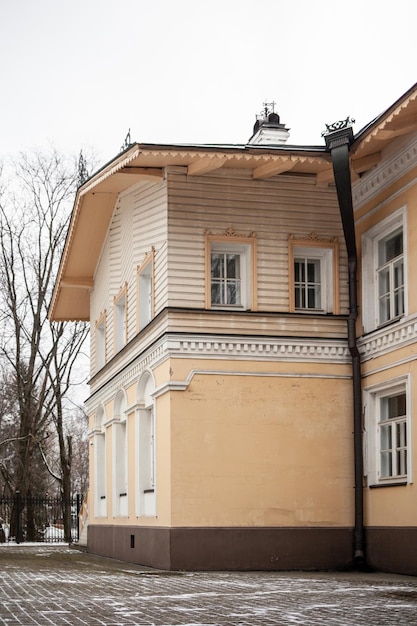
<point>388,339</point>
<point>101,318</point>
<point>111,421</point>
<point>219,348</point>
<point>230,232</point>
<point>260,349</point>
<point>122,291</point>
<point>385,174</point>
<point>182,385</point>
<point>339,125</point>
<point>105,390</point>
<point>147,257</point>
<point>313,236</point>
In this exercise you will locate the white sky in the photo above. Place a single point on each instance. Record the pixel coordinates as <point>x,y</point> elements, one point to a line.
<point>78,74</point>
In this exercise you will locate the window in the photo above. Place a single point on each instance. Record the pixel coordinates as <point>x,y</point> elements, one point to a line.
<point>145,291</point>
<point>393,436</point>
<point>120,314</point>
<point>101,341</point>
<point>119,456</point>
<point>388,430</point>
<point>313,274</point>
<point>230,271</point>
<point>390,276</point>
<point>307,283</point>
<point>226,278</point>
<point>99,447</point>
<point>383,275</point>
<point>145,448</point>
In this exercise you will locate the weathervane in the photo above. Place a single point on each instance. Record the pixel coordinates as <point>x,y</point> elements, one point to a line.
<point>269,107</point>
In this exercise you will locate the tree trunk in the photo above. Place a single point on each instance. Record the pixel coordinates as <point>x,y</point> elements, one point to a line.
<point>66,460</point>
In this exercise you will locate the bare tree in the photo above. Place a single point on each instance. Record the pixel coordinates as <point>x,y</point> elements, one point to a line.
<point>10,440</point>
<point>80,452</point>
<point>40,356</point>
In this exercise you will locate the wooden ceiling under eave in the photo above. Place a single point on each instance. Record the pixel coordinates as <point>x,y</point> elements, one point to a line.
<point>200,160</point>
<point>399,120</point>
<point>88,228</point>
<point>91,216</point>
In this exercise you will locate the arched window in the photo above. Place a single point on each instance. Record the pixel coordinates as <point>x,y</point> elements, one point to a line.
<point>120,498</point>
<point>99,443</point>
<point>145,446</point>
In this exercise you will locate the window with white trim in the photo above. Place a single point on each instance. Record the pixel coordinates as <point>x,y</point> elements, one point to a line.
<point>120,321</point>
<point>390,276</point>
<point>393,435</point>
<point>230,272</point>
<point>313,275</point>
<point>120,456</point>
<point>146,291</point>
<point>383,272</point>
<point>101,342</point>
<point>145,448</point>
<point>228,277</point>
<point>100,463</point>
<point>387,421</point>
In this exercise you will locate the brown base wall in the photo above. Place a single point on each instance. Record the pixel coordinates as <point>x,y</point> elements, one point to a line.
<point>211,549</point>
<point>392,549</point>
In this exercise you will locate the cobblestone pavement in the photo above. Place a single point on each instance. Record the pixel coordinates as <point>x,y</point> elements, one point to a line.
<point>56,585</point>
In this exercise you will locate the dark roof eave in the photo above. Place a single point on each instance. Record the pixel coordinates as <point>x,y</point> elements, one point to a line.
<point>234,147</point>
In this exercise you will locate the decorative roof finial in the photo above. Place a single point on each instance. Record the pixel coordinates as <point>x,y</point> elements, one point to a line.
<point>82,170</point>
<point>127,142</point>
<point>340,125</point>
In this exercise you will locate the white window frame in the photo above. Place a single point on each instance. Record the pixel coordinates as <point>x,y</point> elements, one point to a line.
<point>145,438</point>
<point>327,253</point>
<point>120,320</point>
<point>370,265</point>
<point>145,291</point>
<point>101,342</point>
<point>373,398</point>
<point>120,457</point>
<point>100,464</point>
<point>245,248</point>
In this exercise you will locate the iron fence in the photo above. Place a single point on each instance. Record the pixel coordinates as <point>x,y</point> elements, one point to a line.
<point>38,519</point>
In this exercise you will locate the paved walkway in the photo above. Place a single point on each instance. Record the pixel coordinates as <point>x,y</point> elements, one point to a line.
<point>56,585</point>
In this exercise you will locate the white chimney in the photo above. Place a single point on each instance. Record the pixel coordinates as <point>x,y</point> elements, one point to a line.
<point>267,129</point>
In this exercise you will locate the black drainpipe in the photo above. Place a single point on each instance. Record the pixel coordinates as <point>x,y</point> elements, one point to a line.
<point>338,142</point>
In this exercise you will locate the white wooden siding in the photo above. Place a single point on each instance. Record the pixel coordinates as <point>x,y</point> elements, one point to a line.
<point>138,224</point>
<point>273,209</point>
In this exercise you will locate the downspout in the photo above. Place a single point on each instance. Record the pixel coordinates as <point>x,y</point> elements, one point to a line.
<point>338,142</point>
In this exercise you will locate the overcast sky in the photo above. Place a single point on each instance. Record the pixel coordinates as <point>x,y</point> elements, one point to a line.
<point>78,74</point>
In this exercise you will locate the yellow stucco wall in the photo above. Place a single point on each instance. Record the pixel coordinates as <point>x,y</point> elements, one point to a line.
<point>246,444</point>
<point>262,451</point>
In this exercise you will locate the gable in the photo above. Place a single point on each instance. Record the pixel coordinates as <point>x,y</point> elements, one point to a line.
<point>96,199</point>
